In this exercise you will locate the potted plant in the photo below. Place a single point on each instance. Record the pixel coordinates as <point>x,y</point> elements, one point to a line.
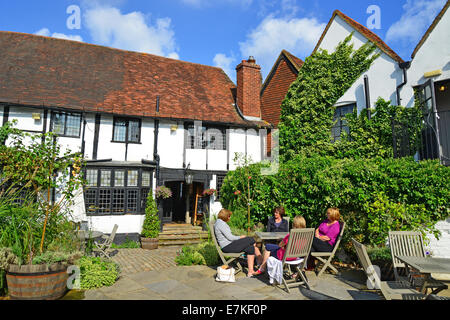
<point>162,192</point>
<point>209,192</point>
<point>34,226</point>
<point>151,226</point>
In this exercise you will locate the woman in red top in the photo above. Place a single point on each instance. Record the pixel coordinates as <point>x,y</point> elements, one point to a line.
<point>277,251</point>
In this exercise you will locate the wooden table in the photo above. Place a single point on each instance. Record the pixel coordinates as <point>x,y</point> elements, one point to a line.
<point>271,235</point>
<point>427,266</point>
<point>84,236</point>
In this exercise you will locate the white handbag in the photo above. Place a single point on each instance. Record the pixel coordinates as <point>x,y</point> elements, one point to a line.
<point>225,274</point>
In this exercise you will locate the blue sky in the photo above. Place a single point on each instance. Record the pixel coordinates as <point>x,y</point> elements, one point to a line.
<point>216,32</point>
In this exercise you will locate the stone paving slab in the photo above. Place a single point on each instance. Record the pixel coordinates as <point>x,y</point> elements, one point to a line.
<point>153,275</point>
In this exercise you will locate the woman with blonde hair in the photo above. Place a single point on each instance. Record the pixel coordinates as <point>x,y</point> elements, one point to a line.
<point>230,243</point>
<point>327,233</point>
<point>278,251</point>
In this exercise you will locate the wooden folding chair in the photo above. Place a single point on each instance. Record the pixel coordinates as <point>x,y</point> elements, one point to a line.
<point>327,257</point>
<point>233,257</point>
<point>298,246</point>
<point>410,243</point>
<point>391,290</point>
<point>103,247</point>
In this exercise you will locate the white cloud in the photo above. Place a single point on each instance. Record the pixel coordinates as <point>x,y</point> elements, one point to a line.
<point>417,17</point>
<point>203,3</point>
<point>46,32</point>
<point>109,26</point>
<point>227,64</point>
<point>265,42</point>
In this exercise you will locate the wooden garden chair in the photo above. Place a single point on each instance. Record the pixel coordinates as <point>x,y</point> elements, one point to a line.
<point>298,246</point>
<point>391,290</point>
<point>232,257</point>
<point>327,257</point>
<point>104,247</point>
<point>410,243</point>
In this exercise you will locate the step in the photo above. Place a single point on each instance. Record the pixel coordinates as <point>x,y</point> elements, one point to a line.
<point>179,231</point>
<point>179,225</point>
<point>182,237</point>
<point>179,242</point>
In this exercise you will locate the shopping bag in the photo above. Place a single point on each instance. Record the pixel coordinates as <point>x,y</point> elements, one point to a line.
<point>225,274</point>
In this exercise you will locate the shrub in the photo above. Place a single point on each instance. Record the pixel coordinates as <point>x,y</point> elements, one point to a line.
<point>374,195</point>
<point>151,226</point>
<point>202,254</point>
<point>96,272</point>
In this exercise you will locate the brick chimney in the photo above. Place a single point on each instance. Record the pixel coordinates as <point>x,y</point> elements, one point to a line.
<point>249,82</point>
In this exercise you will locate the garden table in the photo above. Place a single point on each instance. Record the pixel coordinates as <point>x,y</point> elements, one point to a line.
<point>270,236</point>
<point>84,236</point>
<point>264,236</point>
<point>427,266</point>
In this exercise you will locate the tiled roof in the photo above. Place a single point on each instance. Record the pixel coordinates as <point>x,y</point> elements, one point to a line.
<point>43,71</point>
<point>283,74</point>
<point>365,32</point>
<point>295,63</point>
<point>431,28</point>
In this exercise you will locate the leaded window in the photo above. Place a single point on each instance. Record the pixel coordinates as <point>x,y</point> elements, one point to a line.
<point>66,124</point>
<point>127,130</point>
<point>340,122</point>
<point>203,137</point>
<point>115,191</point>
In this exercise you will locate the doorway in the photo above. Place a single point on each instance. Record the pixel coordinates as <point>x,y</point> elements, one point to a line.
<point>174,208</point>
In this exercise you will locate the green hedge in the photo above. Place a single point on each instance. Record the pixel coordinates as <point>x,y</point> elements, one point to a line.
<point>374,195</point>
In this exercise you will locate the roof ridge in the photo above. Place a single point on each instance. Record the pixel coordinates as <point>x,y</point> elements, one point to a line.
<point>366,32</point>
<point>106,47</point>
<point>430,28</point>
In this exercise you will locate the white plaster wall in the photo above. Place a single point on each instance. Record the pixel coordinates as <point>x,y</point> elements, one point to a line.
<point>25,120</point>
<point>433,55</point>
<point>171,144</point>
<point>197,159</point>
<point>214,206</point>
<point>236,145</point>
<point>253,145</point>
<point>106,148</point>
<point>384,74</point>
<point>126,223</point>
<point>144,150</point>
<point>217,160</point>
<point>440,248</point>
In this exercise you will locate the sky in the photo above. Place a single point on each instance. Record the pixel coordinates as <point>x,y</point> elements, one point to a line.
<point>218,33</point>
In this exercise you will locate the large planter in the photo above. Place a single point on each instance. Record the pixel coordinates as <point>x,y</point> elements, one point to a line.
<point>37,282</point>
<point>149,243</point>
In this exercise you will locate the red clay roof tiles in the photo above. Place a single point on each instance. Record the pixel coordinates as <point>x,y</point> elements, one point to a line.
<point>36,70</point>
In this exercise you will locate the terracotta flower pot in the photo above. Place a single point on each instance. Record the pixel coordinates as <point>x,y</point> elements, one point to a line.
<point>149,243</point>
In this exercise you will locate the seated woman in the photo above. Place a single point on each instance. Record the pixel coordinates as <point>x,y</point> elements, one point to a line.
<point>277,223</point>
<point>326,235</point>
<point>277,251</point>
<point>327,232</point>
<point>235,244</point>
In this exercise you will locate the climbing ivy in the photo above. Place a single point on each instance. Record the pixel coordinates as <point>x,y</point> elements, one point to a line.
<point>307,111</point>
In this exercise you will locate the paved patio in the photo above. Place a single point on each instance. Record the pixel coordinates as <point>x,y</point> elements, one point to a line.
<point>153,275</point>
